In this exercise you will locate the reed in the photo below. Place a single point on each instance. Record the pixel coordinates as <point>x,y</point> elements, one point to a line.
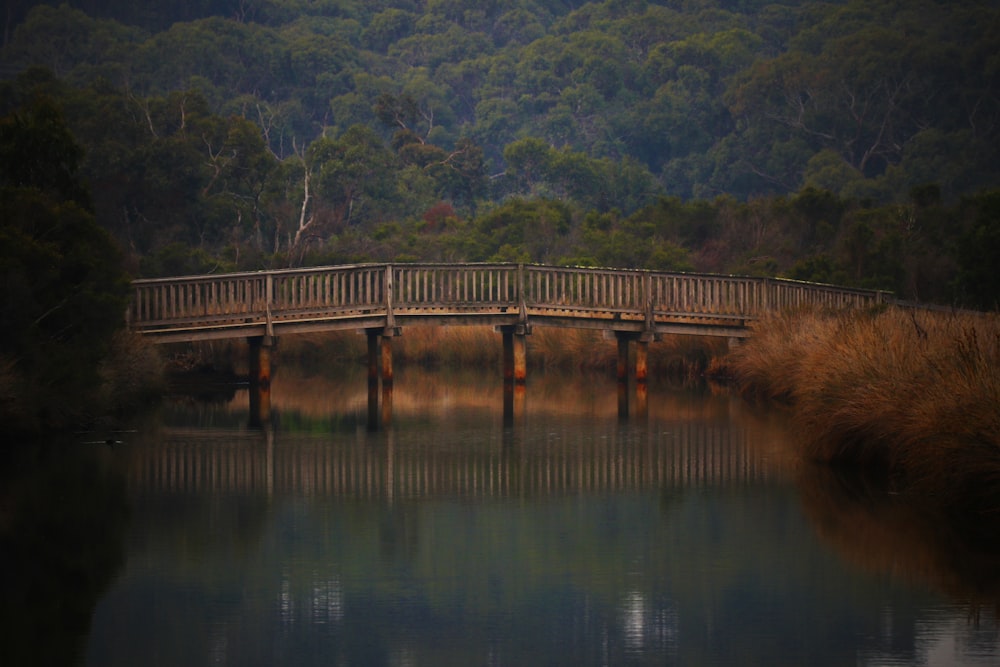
<point>566,349</point>
<point>916,393</point>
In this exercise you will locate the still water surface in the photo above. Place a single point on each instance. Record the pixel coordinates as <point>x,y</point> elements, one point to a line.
<point>686,535</point>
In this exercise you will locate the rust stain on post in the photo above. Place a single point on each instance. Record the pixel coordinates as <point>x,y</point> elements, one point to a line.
<point>641,363</point>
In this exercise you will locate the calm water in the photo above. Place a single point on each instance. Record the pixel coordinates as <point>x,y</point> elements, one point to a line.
<point>686,534</point>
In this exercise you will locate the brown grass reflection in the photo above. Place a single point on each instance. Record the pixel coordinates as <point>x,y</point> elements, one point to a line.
<point>882,531</point>
<point>418,391</point>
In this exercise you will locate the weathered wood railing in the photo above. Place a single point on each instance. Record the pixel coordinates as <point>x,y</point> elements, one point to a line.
<point>372,295</point>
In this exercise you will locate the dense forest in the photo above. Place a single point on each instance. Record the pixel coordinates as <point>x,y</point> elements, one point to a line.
<point>854,142</point>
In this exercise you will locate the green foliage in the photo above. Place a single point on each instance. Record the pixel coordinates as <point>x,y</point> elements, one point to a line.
<point>978,283</point>
<point>746,137</point>
<point>522,230</point>
<point>64,287</point>
<point>862,98</point>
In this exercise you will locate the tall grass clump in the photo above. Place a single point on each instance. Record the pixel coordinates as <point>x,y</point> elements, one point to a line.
<point>914,392</point>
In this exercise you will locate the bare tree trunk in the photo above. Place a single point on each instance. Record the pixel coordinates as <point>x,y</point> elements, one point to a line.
<point>304,222</point>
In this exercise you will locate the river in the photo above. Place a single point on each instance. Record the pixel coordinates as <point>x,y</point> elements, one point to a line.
<point>686,533</point>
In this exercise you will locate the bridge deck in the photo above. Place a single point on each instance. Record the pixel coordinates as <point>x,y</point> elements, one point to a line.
<point>371,296</point>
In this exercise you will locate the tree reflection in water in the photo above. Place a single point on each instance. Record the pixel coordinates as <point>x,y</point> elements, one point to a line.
<point>63,519</point>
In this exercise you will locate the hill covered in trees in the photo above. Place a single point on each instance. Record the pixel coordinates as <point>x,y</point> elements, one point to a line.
<point>845,141</point>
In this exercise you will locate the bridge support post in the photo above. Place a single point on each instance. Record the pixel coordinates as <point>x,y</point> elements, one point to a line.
<point>622,366</point>
<point>380,368</point>
<point>641,377</point>
<point>515,370</point>
<point>515,353</point>
<point>374,359</point>
<point>639,370</point>
<point>259,364</point>
<point>641,361</point>
<point>386,361</point>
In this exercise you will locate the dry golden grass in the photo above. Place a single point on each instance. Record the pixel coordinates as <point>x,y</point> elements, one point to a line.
<point>917,392</point>
<point>478,346</point>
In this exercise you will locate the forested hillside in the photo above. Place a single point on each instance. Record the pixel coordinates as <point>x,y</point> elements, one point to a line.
<point>847,141</point>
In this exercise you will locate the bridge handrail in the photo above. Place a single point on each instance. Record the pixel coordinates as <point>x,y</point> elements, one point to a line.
<point>382,289</point>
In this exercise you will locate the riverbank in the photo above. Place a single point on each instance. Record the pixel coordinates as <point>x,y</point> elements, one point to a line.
<point>913,394</point>
<point>130,376</point>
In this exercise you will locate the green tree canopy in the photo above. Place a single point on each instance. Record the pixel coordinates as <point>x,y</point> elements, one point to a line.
<point>64,287</point>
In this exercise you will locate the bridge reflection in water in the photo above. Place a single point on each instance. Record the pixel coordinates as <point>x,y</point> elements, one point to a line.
<point>625,457</point>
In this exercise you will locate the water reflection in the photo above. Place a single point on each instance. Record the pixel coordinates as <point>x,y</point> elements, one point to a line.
<point>63,517</point>
<point>570,537</point>
<point>873,528</point>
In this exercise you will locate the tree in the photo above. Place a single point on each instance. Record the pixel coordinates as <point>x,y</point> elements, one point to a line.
<point>978,283</point>
<point>65,290</point>
<point>352,175</point>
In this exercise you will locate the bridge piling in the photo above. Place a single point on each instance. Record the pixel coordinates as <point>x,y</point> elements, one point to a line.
<point>641,361</point>
<point>386,360</point>
<point>374,370</point>
<point>259,364</point>
<point>515,353</point>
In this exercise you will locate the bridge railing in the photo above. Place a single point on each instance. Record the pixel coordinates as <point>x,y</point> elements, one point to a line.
<point>327,290</point>
<point>250,299</point>
<point>786,294</point>
<point>584,289</point>
<point>246,298</point>
<point>199,299</point>
<point>448,286</point>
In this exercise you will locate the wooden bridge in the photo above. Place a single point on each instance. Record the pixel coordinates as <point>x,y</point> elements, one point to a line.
<point>388,296</point>
<point>633,306</point>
